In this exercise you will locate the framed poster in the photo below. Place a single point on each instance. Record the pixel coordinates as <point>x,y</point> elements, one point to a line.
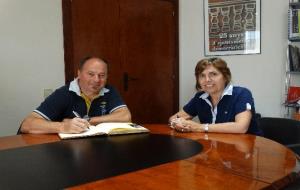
<point>232,27</point>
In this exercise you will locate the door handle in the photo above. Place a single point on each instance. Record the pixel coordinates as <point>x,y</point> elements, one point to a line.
<point>126,79</point>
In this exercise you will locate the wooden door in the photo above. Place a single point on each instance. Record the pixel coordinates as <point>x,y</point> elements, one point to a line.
<point>139,39</point>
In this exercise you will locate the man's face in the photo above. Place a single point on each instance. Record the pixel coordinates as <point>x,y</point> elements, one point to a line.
<point>92,76</point>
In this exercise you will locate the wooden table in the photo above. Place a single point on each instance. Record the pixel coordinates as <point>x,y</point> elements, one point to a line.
<point>228,161</point>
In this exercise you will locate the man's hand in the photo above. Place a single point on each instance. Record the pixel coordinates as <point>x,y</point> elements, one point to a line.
<point>75,125</point>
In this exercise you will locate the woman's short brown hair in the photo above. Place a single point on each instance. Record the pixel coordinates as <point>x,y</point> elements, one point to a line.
<point>218,63</point>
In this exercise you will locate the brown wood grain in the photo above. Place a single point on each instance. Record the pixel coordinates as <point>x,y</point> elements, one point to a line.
<point>139,40</point>
<point>228,161</point>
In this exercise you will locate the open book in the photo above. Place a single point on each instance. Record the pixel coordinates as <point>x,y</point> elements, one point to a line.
<point>107,129</point>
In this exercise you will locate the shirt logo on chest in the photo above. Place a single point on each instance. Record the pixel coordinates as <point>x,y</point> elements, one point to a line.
<point>103,108</point>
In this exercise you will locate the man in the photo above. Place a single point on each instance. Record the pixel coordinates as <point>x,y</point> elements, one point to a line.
<point>86,100</point>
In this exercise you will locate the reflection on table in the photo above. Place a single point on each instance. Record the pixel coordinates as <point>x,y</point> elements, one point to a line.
<point>227,161</point>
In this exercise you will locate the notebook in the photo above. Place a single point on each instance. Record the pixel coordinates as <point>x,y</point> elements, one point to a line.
<point>107,129</point>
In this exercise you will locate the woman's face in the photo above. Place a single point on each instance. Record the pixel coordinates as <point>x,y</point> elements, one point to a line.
<point>212,81</point>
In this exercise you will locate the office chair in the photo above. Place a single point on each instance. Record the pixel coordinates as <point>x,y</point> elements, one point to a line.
<point>282,130</point>
<point>19,130</point>
<point>293,186</point>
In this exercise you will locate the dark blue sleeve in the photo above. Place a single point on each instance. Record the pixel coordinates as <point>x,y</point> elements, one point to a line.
<point>245,97</point>
<point>55,105</point>
<point>244,101</point>
<point>114,100</point>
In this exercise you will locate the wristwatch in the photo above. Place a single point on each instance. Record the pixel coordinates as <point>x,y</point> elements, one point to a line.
<point>206,126</point>
<point>86,117</point>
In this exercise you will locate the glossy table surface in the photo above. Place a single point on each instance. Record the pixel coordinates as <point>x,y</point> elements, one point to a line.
<point>227,161</point>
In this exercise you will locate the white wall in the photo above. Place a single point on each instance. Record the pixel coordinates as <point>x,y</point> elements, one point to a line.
<point>262,73</point>
<point>31,56</point>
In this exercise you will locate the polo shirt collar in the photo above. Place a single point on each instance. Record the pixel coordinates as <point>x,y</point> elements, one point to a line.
<point>74,87</point>
<point>227,91</point>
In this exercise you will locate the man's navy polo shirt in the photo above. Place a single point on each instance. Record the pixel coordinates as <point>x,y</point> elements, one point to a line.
<point>61,104</point>
<point>234,101</point>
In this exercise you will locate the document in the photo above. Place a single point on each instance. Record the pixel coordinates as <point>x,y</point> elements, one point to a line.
<point>107,129</point>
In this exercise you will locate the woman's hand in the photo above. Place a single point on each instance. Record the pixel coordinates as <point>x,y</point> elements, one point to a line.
<point>181,114</point>
<point>184,125</point>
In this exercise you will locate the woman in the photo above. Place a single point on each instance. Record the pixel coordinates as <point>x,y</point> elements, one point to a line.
<point>220,106</point>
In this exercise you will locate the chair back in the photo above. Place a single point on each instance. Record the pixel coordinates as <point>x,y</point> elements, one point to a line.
<point>282,130</point>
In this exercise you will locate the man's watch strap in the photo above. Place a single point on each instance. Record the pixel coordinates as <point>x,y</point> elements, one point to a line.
<point>86,117</point>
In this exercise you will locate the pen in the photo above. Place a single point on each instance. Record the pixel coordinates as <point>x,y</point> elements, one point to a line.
<point>76,114</point>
